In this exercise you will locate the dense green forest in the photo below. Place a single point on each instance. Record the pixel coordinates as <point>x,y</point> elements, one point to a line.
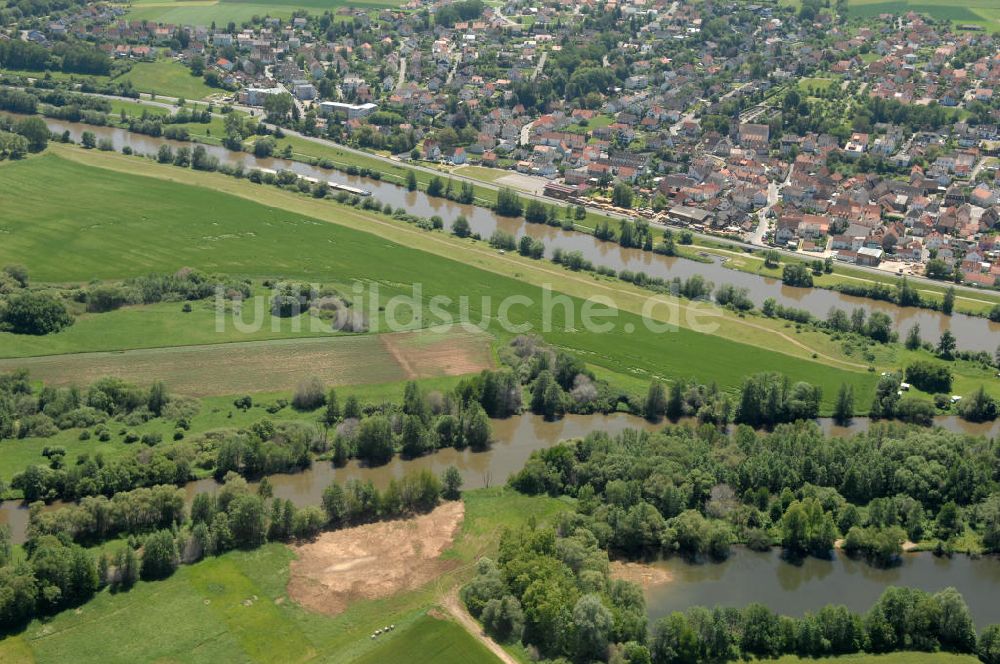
<point>697,491</point>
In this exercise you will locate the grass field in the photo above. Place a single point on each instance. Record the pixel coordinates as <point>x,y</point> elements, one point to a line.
<point>985,13</point>
<point>155,326</point>
<point>53,75</point>
<point>482,173</point>
<point>167,77</point>
<point>978,12</point>
<point>819,84</point>
<point>271,366</point>
<point>204,12</point>
<point>891,658</point>
<point>202,228</point>
<point>430,640</point>
<point>235,608</point>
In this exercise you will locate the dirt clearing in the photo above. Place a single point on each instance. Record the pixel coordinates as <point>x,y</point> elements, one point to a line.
<point>373,561</point>
<point>646,576</point>
<point>272,366</point>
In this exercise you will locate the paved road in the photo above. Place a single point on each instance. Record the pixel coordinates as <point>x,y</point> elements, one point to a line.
<point>773,191</point>
<point>540,66</point>
<point>402,72</point>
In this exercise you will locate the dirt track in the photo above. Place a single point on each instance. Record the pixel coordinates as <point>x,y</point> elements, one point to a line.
<point>373,561</point>
<point>454,605</point>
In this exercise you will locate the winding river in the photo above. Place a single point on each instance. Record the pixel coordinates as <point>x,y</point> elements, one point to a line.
<point>514,439</point>
<point>972,333</point>
<point>746,576</point>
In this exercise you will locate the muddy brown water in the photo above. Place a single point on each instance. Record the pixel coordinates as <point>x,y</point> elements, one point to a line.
<point>795,588</point>
<point>971,332</point>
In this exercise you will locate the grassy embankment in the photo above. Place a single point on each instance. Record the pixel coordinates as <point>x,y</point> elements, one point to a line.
<point>977,304</point>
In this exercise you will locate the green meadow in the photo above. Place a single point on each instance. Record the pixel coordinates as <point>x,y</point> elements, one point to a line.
<point>890,658</point>
<point>89,232</point>
<point>985,13</point>
<point>430,640</point>
<point>235,608</point>
<point>167,77</point>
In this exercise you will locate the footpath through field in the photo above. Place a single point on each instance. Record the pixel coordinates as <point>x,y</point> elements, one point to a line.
<point>453,604</point>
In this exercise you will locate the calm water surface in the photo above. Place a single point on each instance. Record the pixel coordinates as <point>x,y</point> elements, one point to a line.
<point>792,589</point>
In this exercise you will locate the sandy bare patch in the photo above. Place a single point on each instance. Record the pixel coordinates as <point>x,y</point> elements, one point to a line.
<point>645,576</point>
<point>428,354</point>
<point>373,561</point>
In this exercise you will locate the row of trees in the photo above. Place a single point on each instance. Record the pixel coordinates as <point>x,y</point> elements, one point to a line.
<point>765,399</point>
<point>902,619</point>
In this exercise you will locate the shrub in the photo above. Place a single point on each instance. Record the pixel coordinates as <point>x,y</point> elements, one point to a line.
<point>35,313</point>
<point>929,376</point>
<point>310,394</point>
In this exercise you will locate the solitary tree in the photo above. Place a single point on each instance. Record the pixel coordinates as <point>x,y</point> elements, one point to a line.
<point>843,411</point>
<point>656,402</point>
<point>948,303</point>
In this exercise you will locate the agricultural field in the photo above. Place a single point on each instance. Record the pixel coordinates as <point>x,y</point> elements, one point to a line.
<point>237,606</point>
<point>159,325</point>
<point>168,78</point>
<point>205,12</point>
<point>271,366</point>
<point>976,12</point>
<point>243,238</point>
<point>984,13</point>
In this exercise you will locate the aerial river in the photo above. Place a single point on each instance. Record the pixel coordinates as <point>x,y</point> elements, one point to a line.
<point>745,577</point>
<point>972,333</point>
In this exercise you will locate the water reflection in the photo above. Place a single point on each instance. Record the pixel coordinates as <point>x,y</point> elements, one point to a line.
<point>749,576</point>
